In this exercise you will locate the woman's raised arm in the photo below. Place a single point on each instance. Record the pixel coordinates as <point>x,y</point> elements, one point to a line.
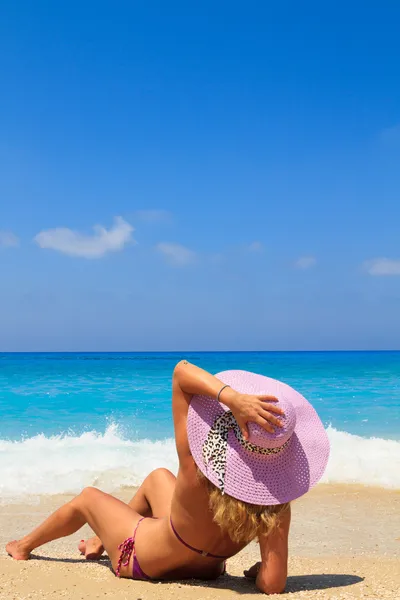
<point>189,380</point>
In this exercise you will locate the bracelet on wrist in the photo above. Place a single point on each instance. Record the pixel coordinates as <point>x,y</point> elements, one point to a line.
<point>219,393</point>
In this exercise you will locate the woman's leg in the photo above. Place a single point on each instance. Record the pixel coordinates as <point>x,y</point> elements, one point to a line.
<point>152,499</point>
<point>112,521</point>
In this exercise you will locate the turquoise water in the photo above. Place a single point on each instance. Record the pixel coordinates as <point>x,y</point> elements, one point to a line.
<point>72,420</point>
<point>357,392</point>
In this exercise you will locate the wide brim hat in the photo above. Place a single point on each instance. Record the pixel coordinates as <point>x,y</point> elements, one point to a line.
<point>269,468</point>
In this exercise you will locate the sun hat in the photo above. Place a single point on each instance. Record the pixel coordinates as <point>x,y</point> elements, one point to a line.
<point>269,468</point>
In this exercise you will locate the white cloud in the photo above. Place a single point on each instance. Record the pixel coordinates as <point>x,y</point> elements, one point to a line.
<point>176,255</point>
<point>382,266</point>
<point>305,262</point>
<point>153,216</point>
<point>83,245</point>
<point>8,239</point>
<point>255,247</point>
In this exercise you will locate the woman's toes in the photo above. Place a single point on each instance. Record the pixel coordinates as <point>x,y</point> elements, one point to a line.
<point>92,548</point>
<point>82,547</point>
<point>15,550</point>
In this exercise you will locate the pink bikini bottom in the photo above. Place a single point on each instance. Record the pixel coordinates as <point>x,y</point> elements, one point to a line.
<point>127,548</point>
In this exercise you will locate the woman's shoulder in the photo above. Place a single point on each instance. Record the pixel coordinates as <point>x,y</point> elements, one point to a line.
<point>188,477</point>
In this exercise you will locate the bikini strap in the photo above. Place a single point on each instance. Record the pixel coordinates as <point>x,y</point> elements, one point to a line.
<point>126,549</point>
<point>202,552</point>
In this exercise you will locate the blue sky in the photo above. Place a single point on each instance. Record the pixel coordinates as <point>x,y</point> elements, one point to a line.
<point>214,175</point>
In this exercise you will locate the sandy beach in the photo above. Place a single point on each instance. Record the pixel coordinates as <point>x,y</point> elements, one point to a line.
<point>345,543</point>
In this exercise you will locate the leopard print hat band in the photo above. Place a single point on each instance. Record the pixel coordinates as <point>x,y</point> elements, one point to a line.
<point>215,446</point>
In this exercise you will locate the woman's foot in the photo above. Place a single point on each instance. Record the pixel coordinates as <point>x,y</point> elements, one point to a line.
<point>92,548</point>
<point>17,551</point>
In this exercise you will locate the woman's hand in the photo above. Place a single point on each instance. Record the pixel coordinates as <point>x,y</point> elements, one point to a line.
<point>253,571</point>
<point>265,583</point>
<point>247,408</point>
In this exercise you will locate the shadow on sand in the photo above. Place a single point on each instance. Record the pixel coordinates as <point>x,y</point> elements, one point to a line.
<point>295,583</point>
<point>241,585</point>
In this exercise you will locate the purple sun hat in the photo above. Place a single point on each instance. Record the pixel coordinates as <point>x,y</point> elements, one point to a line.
<point>269,468</point>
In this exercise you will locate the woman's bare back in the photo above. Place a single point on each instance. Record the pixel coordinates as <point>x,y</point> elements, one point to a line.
<point>163,555</point>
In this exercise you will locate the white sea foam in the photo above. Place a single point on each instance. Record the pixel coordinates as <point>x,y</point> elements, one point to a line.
<point>369,461</point>
<point>67,463</point>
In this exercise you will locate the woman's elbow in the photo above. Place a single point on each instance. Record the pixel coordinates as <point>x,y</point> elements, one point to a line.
<point>177,371</point>
<point>271,586</point>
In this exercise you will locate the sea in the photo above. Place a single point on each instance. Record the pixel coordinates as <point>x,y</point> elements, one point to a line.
<point>104,419</point>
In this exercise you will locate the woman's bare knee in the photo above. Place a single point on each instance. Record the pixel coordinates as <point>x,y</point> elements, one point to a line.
<point>162,473</point>
<point>82,503</point>
<point>88,494</point>
<point>90,491</point>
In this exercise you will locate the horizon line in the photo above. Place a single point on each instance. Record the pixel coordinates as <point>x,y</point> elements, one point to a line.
<point>194,351</point>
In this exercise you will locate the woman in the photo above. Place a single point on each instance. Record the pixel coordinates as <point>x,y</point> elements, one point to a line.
<point>247,446</point>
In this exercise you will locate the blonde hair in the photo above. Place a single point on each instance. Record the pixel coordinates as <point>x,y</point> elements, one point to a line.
<point>243,522</point>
